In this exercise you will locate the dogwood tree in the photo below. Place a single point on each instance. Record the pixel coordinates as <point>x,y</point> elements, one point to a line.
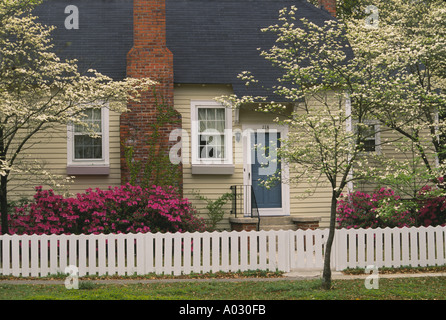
<point>322,145</point>
<point>39,91</point>
<point>340,76</point>
<point>406,49</point>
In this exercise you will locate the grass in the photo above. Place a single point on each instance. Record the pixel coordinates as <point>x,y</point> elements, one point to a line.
<point>154,276</point>
<point>423,288</point>
<point>389,289</point>
<point>403,269</point>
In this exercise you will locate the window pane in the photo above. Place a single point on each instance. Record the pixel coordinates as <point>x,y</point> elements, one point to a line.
<point>86,147</point>
<point>211,139</point>
<point>93,120</point>
<point>211,146</point>
<point>368,134</point>
<point>369,145</point>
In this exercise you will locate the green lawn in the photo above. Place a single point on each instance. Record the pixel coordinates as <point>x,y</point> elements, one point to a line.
<point>389,289</point>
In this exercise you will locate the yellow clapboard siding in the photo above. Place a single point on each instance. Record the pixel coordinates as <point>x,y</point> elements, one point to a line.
<point>49,147</point>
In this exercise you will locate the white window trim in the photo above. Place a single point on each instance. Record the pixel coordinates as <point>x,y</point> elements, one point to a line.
<point>105,161</point>
<point>228,160</point>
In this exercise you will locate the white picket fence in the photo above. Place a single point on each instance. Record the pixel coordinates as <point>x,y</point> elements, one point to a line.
<point>423,246</point>
<point>185,253</point>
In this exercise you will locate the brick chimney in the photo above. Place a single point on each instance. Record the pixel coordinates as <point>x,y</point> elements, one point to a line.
<point>328,5</point>
<point>141,128</point>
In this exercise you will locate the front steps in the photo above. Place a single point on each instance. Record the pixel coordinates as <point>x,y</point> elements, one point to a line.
<point>277,223</point>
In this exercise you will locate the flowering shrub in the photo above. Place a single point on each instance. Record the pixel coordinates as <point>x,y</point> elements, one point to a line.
<point>121,209</point>
<point>380,209</point>
<point>433,211</point>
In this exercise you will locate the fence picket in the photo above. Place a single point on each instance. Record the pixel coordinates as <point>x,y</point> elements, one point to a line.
<point>422,246</point>
<point>225,266</point>
<point>430,249</point>
<point>187,253</point>
<point>300,247</point>
<point>282,251</point>
<point>111,254</point>
<point>15,255</point>
<point>6,244</point>
<point>34,255</point>
<point>206,248</point>
<point>234,258</point>
<point>82,255</point>
<point>72,248</point>
<point>25,256</point>
<point>252,241</point>
<point>379,249</point>
<point>440,245</point>
<point>319,244</point>
<point>62,252</point>
<point>414,254</point>
<point>215,265</point>
<point>177,254</point>
<point>130,253</point>
<point>243,251</point>
<point>102,258</point>
<point>272,250</point>
<point>397,247</point>
<point>196,238</point>
<point>341,249</point>
<point>405,249</point>
<point>263,261</point>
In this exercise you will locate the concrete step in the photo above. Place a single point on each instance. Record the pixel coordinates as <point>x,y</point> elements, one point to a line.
<point>277,223</point>
<point>278,227</point>
<point>276,220</point>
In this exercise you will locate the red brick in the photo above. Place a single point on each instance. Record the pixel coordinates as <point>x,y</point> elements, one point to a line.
<point>329,5</point>
<point>150,58</point>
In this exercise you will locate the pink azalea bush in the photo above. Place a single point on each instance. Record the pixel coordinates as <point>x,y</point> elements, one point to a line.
<point>433,210</point>
<point>380,209</point>
<point>124,209</point>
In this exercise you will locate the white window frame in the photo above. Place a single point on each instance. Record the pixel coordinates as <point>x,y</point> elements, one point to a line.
<point>227,160</point>
<point>105,160</point>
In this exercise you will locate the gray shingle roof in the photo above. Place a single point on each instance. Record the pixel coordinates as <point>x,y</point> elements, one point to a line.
<point>212,40</point>
<point>104,37</point>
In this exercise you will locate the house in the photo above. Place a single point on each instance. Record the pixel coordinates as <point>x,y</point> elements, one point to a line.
<point>195,49</point>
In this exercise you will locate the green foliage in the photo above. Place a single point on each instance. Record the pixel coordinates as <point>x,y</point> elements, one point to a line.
<point>214,208</point>
<point>157,169</point>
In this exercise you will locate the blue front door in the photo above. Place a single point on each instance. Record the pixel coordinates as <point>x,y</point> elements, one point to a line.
<point>265,165</point>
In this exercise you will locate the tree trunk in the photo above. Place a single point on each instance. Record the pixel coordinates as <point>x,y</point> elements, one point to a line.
<point>4,204</point>
<point>326,275</point>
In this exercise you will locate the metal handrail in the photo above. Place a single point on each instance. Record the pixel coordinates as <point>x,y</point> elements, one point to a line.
<point>244,202</point>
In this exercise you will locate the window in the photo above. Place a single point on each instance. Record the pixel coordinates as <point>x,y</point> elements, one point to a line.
<point>369,131</point>
<point>211,133</point>
<point>86,146</point>
<point>88,153</point>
